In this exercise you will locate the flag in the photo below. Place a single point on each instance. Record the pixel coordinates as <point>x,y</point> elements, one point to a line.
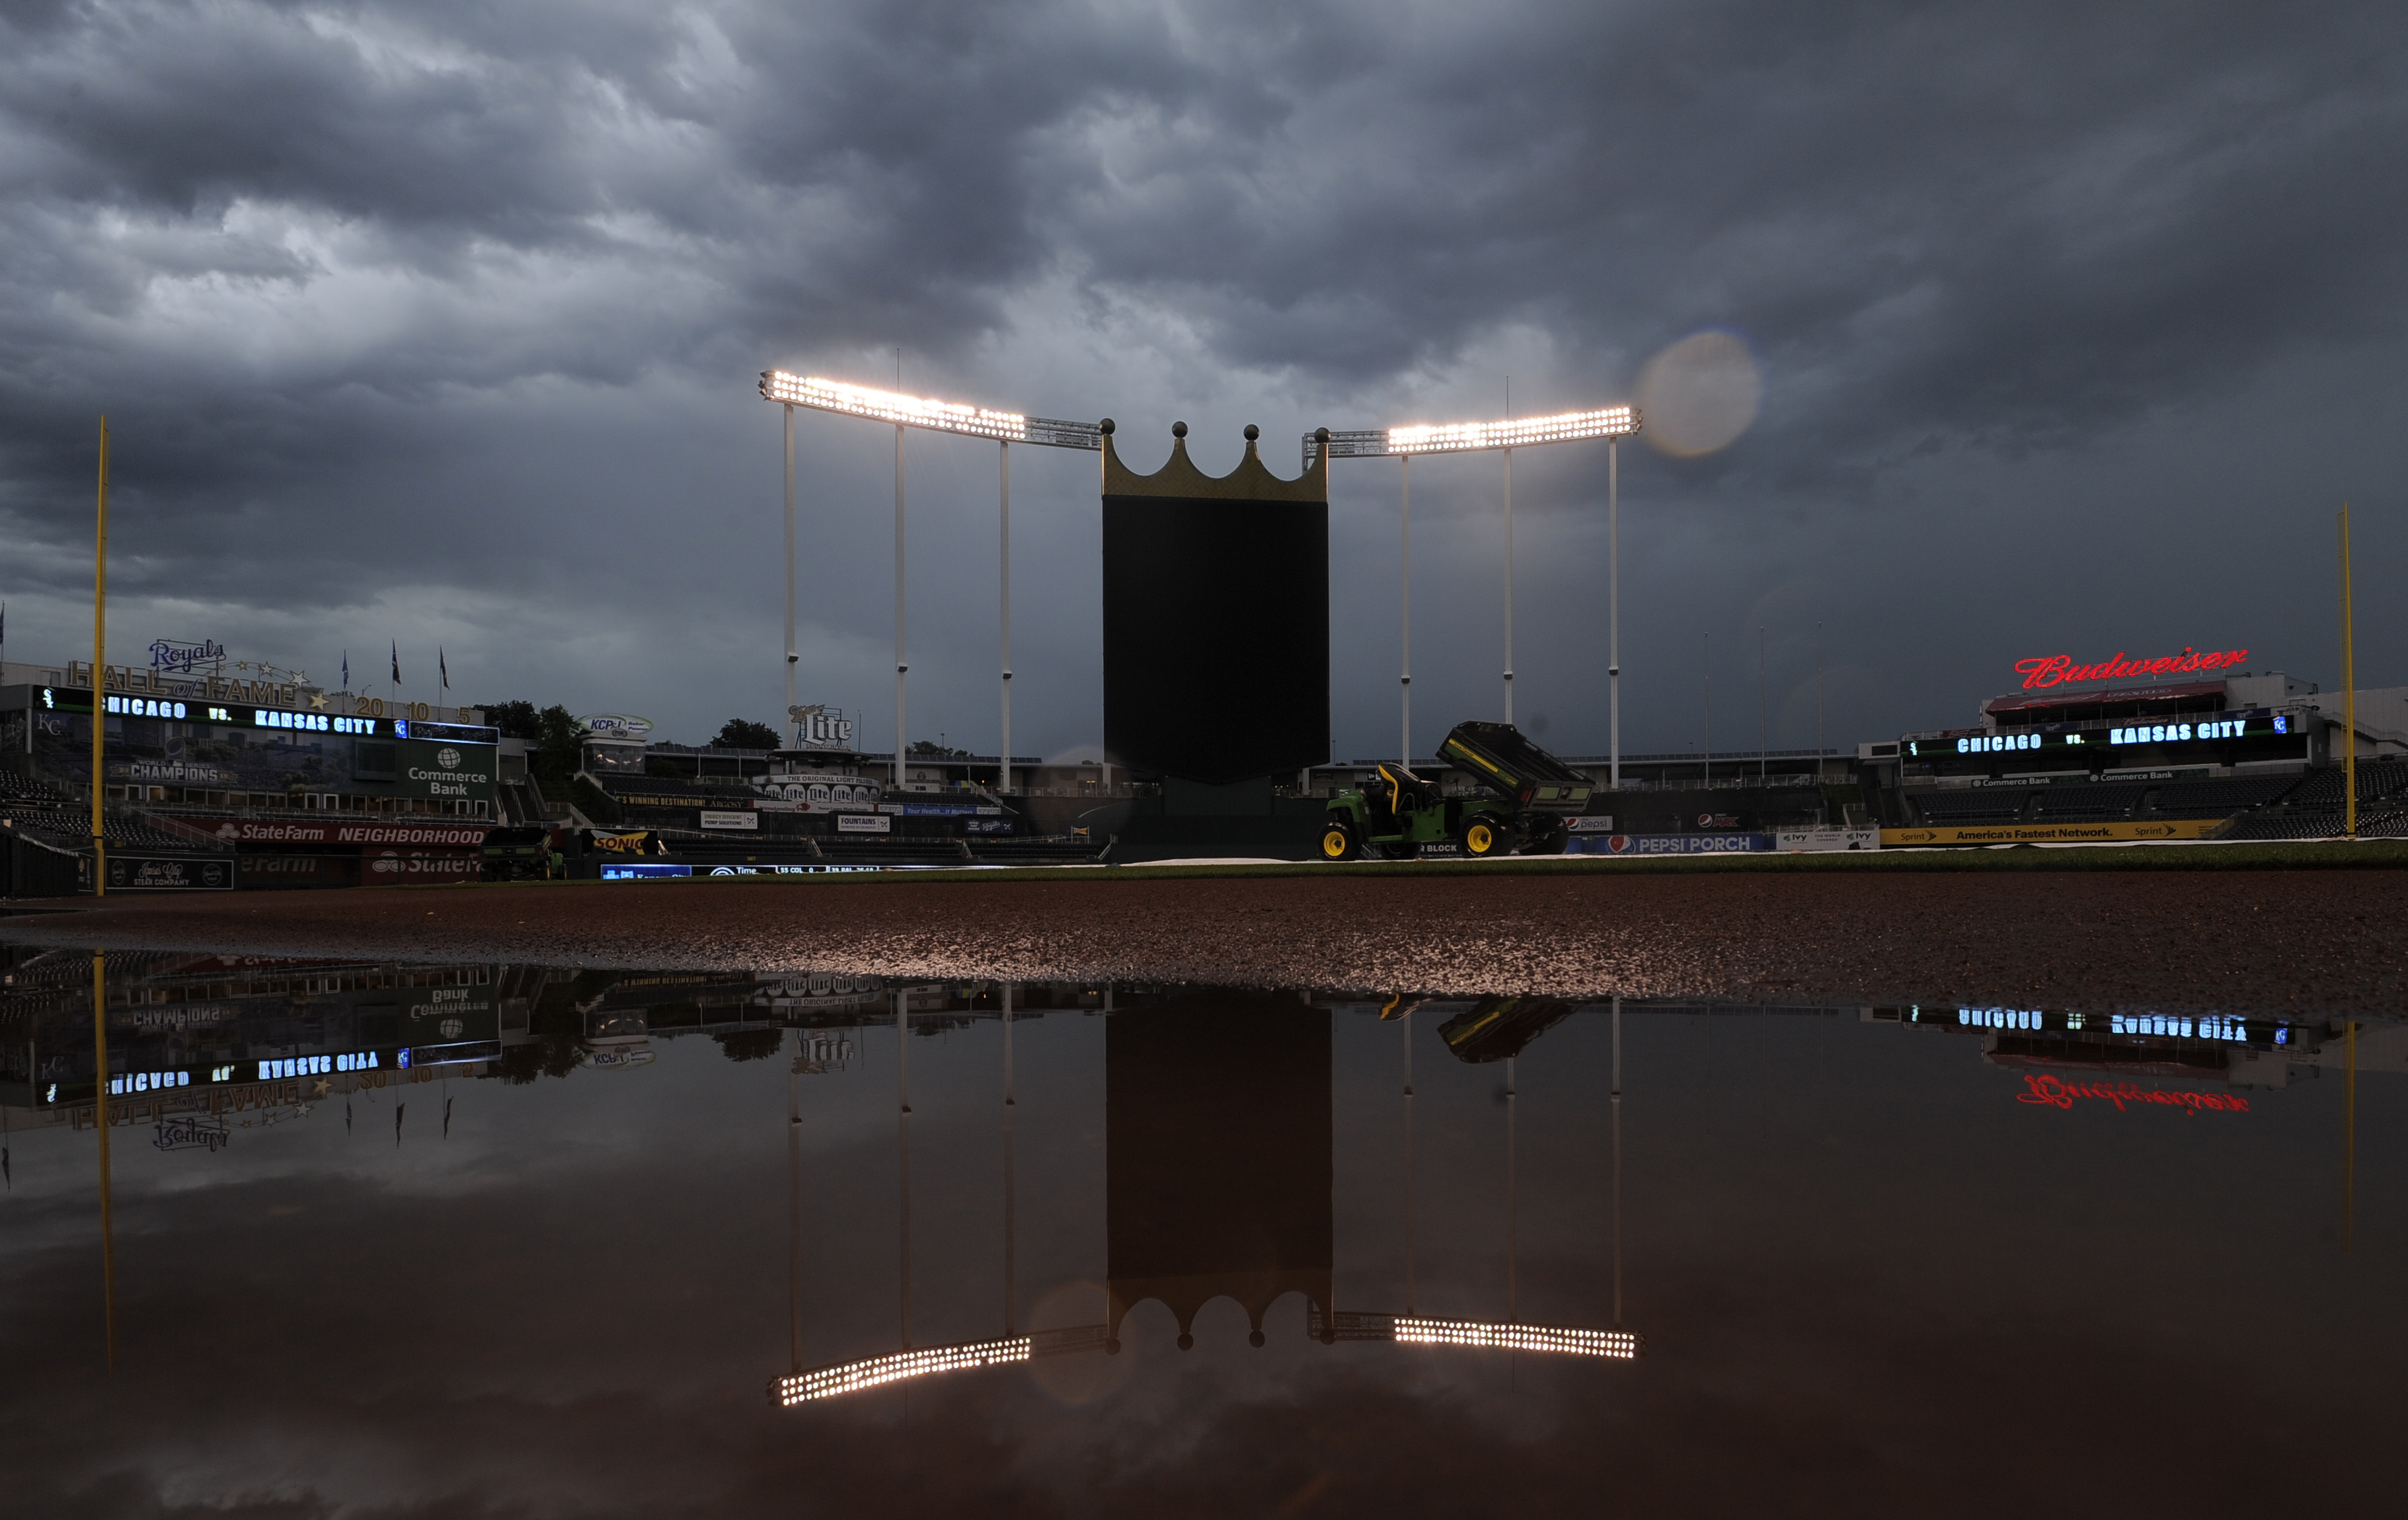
<point>396,665</point>
<point>443,669</point>
<point>347,670</point>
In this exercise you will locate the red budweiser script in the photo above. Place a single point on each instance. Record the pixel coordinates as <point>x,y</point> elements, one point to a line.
<point>2060,1093</point>
<point>2060,670</point>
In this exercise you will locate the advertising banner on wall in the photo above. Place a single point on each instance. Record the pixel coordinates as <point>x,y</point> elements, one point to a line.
<point>447,1015</point>
<point>1667,844</point>
<point>2171,828</point>
<point>730,820</point>
<point>299,870</point>
<point>444,771</point>
<point>1826,839</point>
<point>254,831</point>
<point>413,868</point>
<point>139,874</point>
<point>863,823</point>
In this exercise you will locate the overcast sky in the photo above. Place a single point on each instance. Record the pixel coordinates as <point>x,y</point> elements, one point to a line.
<point>439,323</point>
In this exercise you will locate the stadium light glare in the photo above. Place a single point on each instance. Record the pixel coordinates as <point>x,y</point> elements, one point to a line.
<point>877,1371</point>
<point>1619,1344</point>
<point>925,411</point>
<point>1614,422</point>
<point>1606,423</point>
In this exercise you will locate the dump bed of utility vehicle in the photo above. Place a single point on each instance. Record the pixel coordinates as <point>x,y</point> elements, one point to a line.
<point>1493,1028</point>
<point>1501,759</point>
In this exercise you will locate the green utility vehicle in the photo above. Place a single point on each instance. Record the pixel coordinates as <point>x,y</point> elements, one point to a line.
<point>1527,804</point>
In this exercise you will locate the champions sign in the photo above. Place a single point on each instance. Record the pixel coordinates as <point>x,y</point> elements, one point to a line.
<point>2059,669</point>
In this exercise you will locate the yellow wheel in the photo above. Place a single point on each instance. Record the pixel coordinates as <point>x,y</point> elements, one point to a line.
<point>1480,837</point>
<point>1337,842</point>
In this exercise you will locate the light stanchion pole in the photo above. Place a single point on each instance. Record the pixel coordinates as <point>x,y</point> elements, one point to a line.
<point>964,420</point>
<point>1508,576</point>
<point>792,654</point>
<point>1821,739</point>
<point>1010,1197</point>
<point>1613,613</point>
<point>1612,424</point>
<point>1407,1023</point>
<point>99,687</point>
<point>1004,520</point>
<point>1512,1201</point>
<point>1710,709</point>
<point>1405,605</point>
<point>1763,714</point>
<point>1617,1163</point>
<point>2349,689</point>
<point>795,1199</point>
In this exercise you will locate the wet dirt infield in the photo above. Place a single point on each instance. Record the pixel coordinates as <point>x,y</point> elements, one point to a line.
<point>2186,940</point>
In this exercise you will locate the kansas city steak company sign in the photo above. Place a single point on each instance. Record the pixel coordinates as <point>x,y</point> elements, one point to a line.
<point>453,836</point>
<point>2060,670</point>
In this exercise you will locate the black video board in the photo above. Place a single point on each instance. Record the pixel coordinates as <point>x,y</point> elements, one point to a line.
<point>1216,636</point>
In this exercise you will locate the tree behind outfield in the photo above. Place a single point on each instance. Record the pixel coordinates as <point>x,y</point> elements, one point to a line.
<point>554,742</point>
<point>740,734</point>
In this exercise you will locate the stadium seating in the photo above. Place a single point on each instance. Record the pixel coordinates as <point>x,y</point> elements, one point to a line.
<point>1056,850</point>
<point>2375,778</point>
<point>2086,804</point>
<point>2286,825</point>
<point>17,787</point>
<point>905,851</point>
<point>1987,804</point>
<point>2210,799</point>
<point>71,828</point>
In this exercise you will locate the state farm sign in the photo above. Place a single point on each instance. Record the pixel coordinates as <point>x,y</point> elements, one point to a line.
<point>253,831</point>
<point>2060,670</point>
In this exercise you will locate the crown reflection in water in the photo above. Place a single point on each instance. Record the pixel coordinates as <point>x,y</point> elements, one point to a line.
<point>1218,1178</point>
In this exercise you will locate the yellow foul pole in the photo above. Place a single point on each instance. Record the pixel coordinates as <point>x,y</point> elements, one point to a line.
<point>99,658</point>
<point>100,1110</point>
<point>2349,689</point>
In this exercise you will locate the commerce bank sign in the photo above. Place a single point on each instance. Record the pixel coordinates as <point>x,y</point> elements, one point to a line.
<point>2044,670</point>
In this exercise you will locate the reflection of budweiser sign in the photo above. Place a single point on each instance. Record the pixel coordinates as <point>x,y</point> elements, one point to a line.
<point>2060,670</point>
<point>2060,1093</point>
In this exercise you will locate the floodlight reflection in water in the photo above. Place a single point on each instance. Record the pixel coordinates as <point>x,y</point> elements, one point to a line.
<point>1812,1191</point>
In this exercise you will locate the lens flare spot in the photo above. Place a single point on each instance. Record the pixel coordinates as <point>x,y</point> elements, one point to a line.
<point>1701,393</point>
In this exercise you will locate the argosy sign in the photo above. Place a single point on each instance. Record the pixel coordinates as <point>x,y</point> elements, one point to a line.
<point>2060,670</point>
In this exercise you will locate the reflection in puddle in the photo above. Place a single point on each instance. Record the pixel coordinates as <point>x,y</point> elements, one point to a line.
<point>1032,1205</point>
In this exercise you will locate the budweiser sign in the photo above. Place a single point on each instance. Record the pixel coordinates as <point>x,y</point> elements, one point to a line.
<point>2059,1094</point>
<point>2060,670</point>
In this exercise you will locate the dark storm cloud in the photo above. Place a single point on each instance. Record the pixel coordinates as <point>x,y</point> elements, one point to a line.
<point>471,295</point>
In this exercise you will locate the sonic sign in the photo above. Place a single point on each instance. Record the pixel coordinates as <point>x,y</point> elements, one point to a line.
<point>2044,670</point>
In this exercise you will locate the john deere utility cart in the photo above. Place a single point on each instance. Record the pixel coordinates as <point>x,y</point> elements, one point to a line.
<point>1526,805</point>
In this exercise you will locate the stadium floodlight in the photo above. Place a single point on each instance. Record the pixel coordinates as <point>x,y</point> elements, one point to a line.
<point>1612,424</point>
<point>924,412</point>
<point>895,1366</point>
<point>1005,427</point>
<point>1620,1345</point>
